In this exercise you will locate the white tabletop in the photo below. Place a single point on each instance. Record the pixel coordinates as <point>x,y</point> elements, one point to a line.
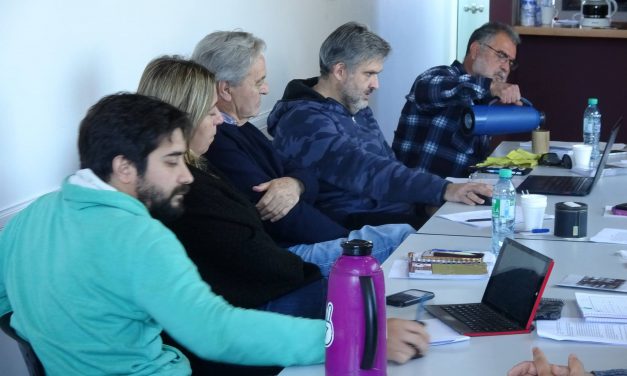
<point>609,190</point>
<point>495,355</point>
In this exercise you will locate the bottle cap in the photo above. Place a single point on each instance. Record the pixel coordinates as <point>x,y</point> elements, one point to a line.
<point>356,247</point>
<point>593,101</point>
<point>505,173</point>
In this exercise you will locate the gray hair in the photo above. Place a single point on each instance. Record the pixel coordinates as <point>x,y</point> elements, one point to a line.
<point>351,44</point>
<point>488,30</point>
<point>228,54</point>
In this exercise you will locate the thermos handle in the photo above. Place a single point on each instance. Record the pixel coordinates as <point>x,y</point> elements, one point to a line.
<point>370,318</point>
<point>524,101</point>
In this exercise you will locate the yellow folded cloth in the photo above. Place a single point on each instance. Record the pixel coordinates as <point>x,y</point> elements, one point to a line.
<point>515,158</point>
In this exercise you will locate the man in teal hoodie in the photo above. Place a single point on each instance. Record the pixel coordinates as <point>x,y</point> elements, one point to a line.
<point>93,277</point>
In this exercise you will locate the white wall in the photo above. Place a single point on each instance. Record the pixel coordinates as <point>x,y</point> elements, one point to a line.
<point>422,34</point>
<point>59,57</point>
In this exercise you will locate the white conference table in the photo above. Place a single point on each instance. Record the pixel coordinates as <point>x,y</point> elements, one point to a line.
<point>494,355</point>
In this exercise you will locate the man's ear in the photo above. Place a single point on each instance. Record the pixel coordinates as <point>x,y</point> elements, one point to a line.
<point>474,50</point>
<point>123,170</point>
<point>339,71</point>
<point>224,91</point>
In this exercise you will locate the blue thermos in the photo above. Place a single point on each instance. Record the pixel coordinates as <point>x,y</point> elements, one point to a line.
<point>501,119</point>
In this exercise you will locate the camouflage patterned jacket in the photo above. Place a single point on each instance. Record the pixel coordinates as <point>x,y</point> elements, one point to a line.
<point>356,167</point>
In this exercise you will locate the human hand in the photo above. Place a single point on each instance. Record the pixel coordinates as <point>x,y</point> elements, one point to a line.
<point>508,93</point>
<point>467,193</point>
<point>281,196</point>
<point>406,339</point>
<point>540,366</point>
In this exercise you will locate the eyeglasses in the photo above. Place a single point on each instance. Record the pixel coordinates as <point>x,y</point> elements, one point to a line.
<point>503,57</point>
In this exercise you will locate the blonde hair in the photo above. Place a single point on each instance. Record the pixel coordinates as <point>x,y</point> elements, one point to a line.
<point>184,84</point>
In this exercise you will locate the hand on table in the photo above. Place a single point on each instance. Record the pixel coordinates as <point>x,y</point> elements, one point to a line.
<point>467,193</point>
<point>281,195</point>
<point>406,339</point>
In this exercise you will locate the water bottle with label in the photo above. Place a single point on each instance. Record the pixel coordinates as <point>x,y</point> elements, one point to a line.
<point>592,128</point>
<point>503,210</point>
<point>528,9</point>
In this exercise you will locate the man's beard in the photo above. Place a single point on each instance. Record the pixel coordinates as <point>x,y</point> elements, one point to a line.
<point>352,97</point>
<point>480,67</point>
<point>160,206</point>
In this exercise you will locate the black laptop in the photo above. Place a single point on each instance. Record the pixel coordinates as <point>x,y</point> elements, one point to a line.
<point>569,185</point>
<point>510,299</point>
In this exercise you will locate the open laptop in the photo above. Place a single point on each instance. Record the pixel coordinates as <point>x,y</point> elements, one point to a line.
<point>510,299</point>
<point>569,185</point>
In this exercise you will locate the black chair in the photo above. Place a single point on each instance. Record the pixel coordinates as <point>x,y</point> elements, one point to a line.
<point>35,368</point>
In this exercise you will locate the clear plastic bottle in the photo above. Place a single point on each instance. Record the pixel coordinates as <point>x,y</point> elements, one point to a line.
<point>503,209</point>
<point>528,12</point>
<point>592,128</point>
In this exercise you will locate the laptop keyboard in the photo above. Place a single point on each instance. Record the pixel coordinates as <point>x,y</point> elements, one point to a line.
<point>480,318</point>
<point>565,184</point>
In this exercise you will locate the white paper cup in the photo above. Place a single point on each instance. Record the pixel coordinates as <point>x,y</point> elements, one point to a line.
<point>548,13</point>
<point>533,207</point>
<point>581,154</point>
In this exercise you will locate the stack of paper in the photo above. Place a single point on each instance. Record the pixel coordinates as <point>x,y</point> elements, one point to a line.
<point>602,308</point>
<point>575,329</point>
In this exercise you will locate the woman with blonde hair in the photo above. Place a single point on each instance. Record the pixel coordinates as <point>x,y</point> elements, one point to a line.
<point>191,88</point>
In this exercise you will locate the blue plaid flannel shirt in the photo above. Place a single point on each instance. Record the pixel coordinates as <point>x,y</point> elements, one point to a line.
<point>429,136</point>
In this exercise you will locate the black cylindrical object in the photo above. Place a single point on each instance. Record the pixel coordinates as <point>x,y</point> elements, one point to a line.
<point>571,219</point>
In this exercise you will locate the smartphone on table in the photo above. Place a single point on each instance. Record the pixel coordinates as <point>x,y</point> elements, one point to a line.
<point>408,297</point>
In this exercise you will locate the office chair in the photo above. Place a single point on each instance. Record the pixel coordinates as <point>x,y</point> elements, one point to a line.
<point>35,368</point>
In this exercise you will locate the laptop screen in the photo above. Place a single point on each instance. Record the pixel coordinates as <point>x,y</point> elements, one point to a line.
<point>516,281</point>
<point>608,150</point>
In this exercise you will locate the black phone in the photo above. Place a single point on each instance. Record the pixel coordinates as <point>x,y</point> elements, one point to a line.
<point>408,297</point>
<point>549,309</point>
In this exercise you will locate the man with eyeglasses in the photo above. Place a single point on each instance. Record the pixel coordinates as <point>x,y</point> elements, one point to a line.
<point>429,136</point>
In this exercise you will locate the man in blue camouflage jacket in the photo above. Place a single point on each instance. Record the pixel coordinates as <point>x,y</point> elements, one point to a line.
<point>324,123</point>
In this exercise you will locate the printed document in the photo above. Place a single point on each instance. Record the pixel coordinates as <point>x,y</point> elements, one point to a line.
<point>602,308</point>
<point>577,329</point>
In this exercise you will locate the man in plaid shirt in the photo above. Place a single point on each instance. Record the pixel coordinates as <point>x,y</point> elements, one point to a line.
<point>429,135</point>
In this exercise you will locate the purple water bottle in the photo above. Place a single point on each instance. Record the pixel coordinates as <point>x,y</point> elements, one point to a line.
<point>356,324</point>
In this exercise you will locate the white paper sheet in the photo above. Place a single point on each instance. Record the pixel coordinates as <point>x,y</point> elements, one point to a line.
<point>577,329</point>
<point>610,235</point>
<point>463,217</point>
<point>442,334</point>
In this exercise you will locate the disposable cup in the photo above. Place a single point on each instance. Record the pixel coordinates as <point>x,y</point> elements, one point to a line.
<point>581,154</point>
<point>533,207</point>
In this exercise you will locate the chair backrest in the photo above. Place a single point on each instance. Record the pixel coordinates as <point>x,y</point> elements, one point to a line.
<point>35,368</point>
